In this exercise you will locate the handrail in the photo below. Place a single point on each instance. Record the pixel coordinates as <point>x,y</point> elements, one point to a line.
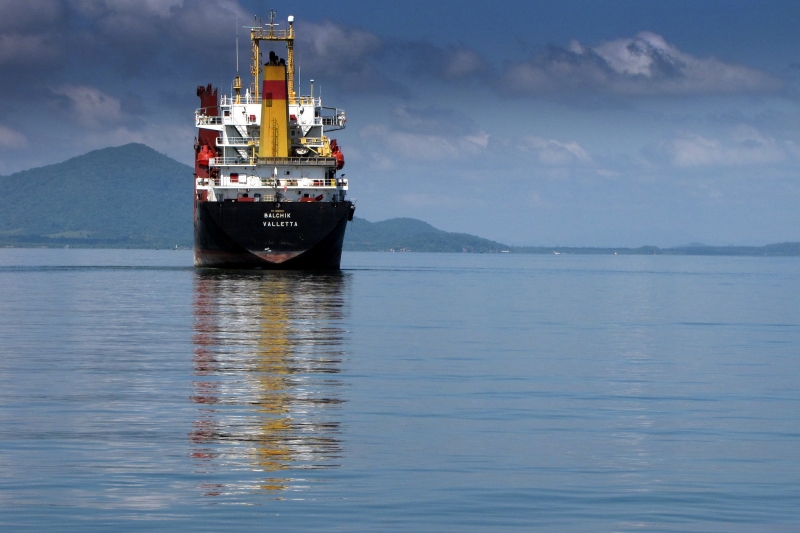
<point>305,161</point>
<point>313,141</point>
<point>308,100</point>
<point>269,182</point>
<point>245,99</point>
<point>237,141</point>
<point>318,121</point>
<point>296,161</point>
<point>310,161</point>
<point>203,119</point>
<point>271,34</point>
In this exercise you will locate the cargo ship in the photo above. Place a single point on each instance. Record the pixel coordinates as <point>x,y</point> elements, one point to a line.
<point>268,191</point>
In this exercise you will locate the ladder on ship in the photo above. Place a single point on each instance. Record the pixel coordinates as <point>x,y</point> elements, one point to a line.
<point>242,130</point>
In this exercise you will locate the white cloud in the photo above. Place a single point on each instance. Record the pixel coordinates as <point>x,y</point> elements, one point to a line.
<point>161,8</point>
<point>12,139</point>
<point>463,62</point>
<point>412,145</point>
<point>746,146</point>
<point>147,23</point>
<point>211,21</point>
<point>641,65</point>
<point>637,56</point>
<point>90,106</point>
<point>478,140</point>
<point>426,147</point>
<point>339,55</point>
<point>333,42</point>
<point>555,153</point>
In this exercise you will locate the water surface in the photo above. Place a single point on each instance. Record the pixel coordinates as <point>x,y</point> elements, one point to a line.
<point>410,392</point>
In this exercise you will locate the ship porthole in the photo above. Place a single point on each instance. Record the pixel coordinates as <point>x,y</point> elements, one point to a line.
<point>278,204</point>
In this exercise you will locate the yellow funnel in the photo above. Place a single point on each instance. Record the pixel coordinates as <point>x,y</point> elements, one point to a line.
<point>274,141</point>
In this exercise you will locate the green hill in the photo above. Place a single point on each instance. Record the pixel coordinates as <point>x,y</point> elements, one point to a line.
<point>409,234</point>
<point>115,197</point>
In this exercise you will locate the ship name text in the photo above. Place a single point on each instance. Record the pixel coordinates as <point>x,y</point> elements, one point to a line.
<point>281,224</point>
<point>277,214</point>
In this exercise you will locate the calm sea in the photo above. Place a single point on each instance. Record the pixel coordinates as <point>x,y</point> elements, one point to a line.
<point>410,392</point>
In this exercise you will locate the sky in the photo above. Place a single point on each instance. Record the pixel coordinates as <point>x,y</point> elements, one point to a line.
<point>583,123</point>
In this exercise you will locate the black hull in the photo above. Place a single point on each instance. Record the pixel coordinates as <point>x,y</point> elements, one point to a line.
<point>267,235</point>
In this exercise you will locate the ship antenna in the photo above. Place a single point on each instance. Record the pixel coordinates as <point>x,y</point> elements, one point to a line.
<point>272,22</point>
<point>237,81</point>
<point>237,44</point>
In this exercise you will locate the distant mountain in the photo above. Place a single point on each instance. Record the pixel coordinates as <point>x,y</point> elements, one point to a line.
<point>408,234</point>
<point>115,197</point>
<point>133,196</point>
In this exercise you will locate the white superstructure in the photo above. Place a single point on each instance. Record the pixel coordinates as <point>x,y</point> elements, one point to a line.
<point>236,164</point>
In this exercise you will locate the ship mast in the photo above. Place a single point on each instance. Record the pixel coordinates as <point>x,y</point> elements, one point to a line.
<point>237,81</point>
<point>258,34</point>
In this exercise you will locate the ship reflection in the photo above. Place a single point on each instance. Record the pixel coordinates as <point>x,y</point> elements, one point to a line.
<point>267,350</point>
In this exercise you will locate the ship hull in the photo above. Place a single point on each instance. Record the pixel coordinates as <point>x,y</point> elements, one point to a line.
<point>267,235</point>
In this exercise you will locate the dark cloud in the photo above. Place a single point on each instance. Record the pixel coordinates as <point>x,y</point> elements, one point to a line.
<point>31,34</point>
<point>31,16</point>
<point>424,59</point>
<point>345,58</point>
<point>127,70</point>
<point>359,61</point>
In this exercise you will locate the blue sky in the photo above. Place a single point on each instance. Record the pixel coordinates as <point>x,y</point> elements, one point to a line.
<point>572,123</point>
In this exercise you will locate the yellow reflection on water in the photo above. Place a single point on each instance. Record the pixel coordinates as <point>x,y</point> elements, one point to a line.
<point>267,349</point>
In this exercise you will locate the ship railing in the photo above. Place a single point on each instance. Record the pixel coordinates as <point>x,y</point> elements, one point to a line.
<point>313,142</point>
<point>331,122</point>
<point>243,99</point>
<point>267,182</point>
<point>206,120</point>
<point>307,100</point>
<point>270,34</point>
<point>294,161</point>
<point>249,99</point>
<point>237,141</point>
<point>277,182</point>
<point>317,142</point>
<point>229,161</point>
<point>303,182</point>
<point>300,161</point>
<point>337,122</point>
